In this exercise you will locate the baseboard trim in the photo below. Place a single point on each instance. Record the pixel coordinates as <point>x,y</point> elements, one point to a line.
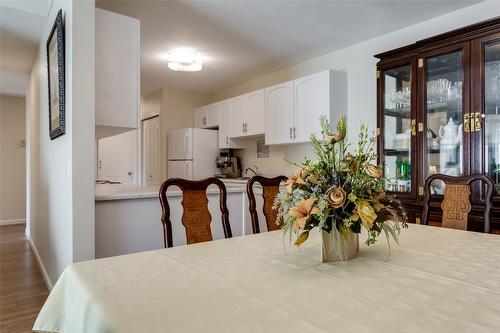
<point>12,221</point>
<point>41,266</point>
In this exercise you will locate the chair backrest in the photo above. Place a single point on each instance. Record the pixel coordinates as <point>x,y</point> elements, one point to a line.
<point>196,217</point>
<point>456,204</point>
<point>270,188</point>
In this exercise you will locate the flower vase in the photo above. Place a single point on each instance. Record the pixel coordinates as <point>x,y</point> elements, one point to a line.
<point>339,247</point>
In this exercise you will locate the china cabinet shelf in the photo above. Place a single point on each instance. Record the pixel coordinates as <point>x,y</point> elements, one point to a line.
<point>450,79</point>
<point>448,106</point>
<point>394,152</point>
<point>398,113</point>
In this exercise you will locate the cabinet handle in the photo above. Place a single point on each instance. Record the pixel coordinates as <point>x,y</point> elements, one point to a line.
<point>294,136</point>
<point>243,126</point>
<point>466,123</point>
<point>227,140</point>
<point>290,133</point>
<point>246,127</point>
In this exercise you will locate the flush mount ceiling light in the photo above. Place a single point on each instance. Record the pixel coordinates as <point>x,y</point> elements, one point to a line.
<point>184,60</point>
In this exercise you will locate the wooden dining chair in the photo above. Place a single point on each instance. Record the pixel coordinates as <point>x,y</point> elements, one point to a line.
<point>196,217</point>
<point>456,203</point>
<point>270,188</point>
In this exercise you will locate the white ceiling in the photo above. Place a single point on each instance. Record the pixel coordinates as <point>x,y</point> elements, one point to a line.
<point>245,39</point>
<point>20,32</point>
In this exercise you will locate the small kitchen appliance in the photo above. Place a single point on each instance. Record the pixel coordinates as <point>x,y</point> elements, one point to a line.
<point>229,165</point>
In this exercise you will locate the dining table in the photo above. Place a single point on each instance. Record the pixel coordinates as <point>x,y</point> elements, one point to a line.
<point>435,280</point>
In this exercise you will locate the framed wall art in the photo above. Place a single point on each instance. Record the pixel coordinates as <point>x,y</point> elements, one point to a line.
<point>56,77</point>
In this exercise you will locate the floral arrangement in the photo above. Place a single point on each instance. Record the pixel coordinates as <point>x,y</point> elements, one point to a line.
<point>339,191</point>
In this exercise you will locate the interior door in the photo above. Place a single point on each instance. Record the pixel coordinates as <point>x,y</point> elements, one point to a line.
<point>312,100</point>
<point>485,112</point>
<point>444,107</point>
<point>151,151</point>
<point>279,113</point>
<point>397,123</point>
<point>117,158</point>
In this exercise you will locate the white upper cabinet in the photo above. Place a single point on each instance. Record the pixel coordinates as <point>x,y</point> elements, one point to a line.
<point>206,116</point>
<point>237,109</point>
<point>225,116</point>
<point>117,73</point>
<point>247,114</point>
<point>288,112</point>
<point>211,116</point>
<point>199,117</point>
<point>254,113</point>
<point>279,113</point>
<point>312,100</point>
<point>293,108</point>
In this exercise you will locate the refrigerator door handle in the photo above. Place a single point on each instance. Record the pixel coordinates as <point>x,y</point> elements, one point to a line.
<point>186,166</point>
<point>186,138</point>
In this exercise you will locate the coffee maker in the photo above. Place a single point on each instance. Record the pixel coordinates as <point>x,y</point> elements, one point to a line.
<point>229,165</point>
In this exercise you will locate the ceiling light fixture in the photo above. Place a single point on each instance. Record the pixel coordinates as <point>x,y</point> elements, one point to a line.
<point>184,60</point>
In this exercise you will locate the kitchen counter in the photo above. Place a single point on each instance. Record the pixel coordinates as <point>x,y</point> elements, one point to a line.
<point>135,212</point>
<point>104,192</point>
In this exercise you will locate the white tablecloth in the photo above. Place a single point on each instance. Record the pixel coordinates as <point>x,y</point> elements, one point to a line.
<point>438,280</point>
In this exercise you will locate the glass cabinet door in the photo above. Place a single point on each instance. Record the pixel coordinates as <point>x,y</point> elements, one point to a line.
<point>397,127</point>
<point>485,117</point>
<point>443,138</point>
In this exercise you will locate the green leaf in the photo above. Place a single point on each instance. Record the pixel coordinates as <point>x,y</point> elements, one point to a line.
<point>302,238</point>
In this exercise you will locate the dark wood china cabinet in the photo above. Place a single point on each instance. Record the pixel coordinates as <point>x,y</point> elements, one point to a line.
<point>438,104</point>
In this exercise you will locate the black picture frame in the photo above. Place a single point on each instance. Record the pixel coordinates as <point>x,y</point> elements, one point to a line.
<point>56,78</point>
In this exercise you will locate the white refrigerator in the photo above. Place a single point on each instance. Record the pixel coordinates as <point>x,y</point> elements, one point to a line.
<point>191,153</point>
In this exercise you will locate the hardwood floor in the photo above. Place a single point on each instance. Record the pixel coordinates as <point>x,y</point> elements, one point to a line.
<point>22,288</point>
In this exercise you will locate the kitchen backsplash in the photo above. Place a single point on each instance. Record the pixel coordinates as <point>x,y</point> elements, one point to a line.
<point>279,155</point>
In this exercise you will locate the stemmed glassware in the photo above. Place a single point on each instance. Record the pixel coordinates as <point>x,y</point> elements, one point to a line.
<point>443,90</point>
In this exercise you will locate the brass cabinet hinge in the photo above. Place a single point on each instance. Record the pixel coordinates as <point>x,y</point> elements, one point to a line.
<point>377,133</point>
<point>467,122</point>
<point>378,74</point>
<point>477,121</point>
<point>417,220</point>
<point>413,127</point>
<point>420,190</point>
<point>420,62</point>
<point>420,127</point>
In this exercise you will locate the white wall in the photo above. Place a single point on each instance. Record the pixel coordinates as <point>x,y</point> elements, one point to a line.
<point>12,159</point>
<point>359,63</point>
<point>61,172</point>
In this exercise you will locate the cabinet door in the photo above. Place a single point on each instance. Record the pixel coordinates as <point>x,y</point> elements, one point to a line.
<point>254,113</point>
<point>199,117</point>
<point>225,113</point>
<point>151,151</point>
<point>396,87</point>
<point>237,106</point>
<point>279,113</point>
<point>211,116</point>
<point>485,112</point>
<point>312,100</point>
<point>444,108</point>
